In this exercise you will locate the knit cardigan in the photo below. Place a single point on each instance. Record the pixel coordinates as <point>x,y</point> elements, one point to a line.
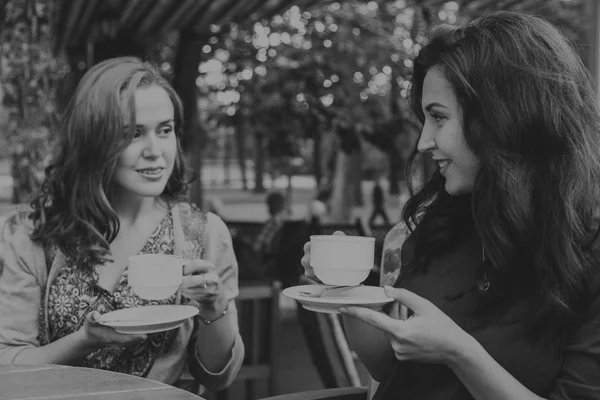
<point>25,282</point>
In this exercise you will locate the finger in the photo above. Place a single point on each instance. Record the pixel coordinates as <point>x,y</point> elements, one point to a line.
<point>411,300</point>
<point>339,233</point>
<point>195,267</point>
<point>306,247</point>
<point>403,312</point>
<point>123,339</point>
<point>202,281</point>
<point>136,338</point>
<point>93,317</point>
<point>305,261</point>
<point>374,318</point>
<point>395,310</point>
<point>397,347</point>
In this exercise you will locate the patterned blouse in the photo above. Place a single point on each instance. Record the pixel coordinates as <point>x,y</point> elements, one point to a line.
<point>75,293</point>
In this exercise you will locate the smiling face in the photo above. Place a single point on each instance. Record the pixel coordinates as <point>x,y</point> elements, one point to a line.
<point>144,167</point>
<point>443,136</point>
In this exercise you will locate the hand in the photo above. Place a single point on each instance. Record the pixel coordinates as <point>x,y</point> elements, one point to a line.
<point>97,335</point>
<point>202,284</point>
<point>305,261</point>
<point>428,335</point>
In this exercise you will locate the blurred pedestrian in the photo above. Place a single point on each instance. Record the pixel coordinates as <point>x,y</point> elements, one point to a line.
<point>378,199</point>
<point>267,241</point>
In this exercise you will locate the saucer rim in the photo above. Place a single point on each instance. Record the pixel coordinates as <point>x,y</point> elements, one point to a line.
<point>289,292</point>
<point>193,311</point>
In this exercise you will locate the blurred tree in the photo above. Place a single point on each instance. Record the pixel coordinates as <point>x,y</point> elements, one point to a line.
<point>342,67</point>
<point>304,73</point>
<point>29,75</point>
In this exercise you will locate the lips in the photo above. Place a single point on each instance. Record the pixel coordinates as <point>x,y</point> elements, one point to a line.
<point>151,174</point>
<point>153,170</point>
<point>443,163</point>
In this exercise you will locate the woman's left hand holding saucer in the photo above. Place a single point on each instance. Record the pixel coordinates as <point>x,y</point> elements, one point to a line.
<point>202,284</point>
<point>428,335</point>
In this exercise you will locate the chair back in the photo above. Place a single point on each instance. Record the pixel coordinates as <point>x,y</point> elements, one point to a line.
<point>2,221</point>
<point>259,321</point>
<point>243,235</point>
<point>249,229</point>
<point>327,341</point>
<point>327,344</point>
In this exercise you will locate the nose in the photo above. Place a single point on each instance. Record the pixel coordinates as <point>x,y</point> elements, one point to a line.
<point>151,146</point>
<point>426,140</point>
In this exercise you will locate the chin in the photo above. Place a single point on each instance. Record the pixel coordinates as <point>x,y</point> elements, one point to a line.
<point>457,190</point>
<point>149,190</point>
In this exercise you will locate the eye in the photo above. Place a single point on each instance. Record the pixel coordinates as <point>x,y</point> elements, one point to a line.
<point>165,130</point>
<point>438,118</point>
<point>137,133</point>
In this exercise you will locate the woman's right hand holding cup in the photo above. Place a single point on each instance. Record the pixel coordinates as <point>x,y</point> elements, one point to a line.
<point>308,270</point>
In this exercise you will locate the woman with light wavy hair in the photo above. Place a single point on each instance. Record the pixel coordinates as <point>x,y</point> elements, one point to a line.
<point>114,189</point>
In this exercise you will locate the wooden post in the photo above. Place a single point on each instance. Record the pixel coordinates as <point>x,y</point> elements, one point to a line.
<point>29,75</point>
<point>189,55</point>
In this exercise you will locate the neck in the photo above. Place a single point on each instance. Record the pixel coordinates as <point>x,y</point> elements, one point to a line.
<point>130,207</point>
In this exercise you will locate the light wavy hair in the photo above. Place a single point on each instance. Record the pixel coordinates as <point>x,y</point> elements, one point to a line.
<point>73,208</point>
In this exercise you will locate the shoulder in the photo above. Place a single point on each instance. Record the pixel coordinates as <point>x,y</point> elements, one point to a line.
<point>18,227</point>
<point>16,244</point>
<point>216,225</point>
<point>396,236</point>
<point>189,210</point>
<point>194,219</point>
<point>391,260</point>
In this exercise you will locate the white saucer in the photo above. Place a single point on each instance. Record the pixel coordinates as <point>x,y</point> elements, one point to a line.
<point>148,319</point>
<point>331,300</point>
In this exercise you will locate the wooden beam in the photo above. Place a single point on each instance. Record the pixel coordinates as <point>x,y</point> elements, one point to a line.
<point>134,11</point>
<point>269,4</point>
<point>128,11</point>
<point>84,23</point>
<point>184,14</point>
<point>236,10</point>
<point>157,13</point>
<point>251,7</point>
<point>210,15</point>
<point>72,17</point>
<point>274,8</point>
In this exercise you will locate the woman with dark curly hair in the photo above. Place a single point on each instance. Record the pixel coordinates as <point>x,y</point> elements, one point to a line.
<point>496,277</point>
<point>114,189</point>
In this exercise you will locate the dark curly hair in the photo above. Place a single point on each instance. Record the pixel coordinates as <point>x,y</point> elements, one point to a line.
<point>530,115</point>
<point>73,209</point>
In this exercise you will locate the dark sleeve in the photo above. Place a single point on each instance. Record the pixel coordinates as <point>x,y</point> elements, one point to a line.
<point>580,373</point>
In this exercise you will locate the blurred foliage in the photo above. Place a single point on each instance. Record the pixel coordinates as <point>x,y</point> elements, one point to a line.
<point>305,73</point>
<point>344,66</point>
<point>30,74</point>
<point>340,67</point>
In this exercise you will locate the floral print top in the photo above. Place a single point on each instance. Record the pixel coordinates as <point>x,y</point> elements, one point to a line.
<point>75,293</point>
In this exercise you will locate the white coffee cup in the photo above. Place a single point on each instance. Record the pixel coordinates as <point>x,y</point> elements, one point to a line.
<point>342,260</point>
<point>155,276</point>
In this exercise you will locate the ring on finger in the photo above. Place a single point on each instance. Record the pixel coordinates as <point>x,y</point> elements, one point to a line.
<point>205,283</point>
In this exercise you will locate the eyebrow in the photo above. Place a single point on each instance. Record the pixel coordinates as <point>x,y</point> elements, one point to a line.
<point>166,122</point>
<point>429,106</point>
